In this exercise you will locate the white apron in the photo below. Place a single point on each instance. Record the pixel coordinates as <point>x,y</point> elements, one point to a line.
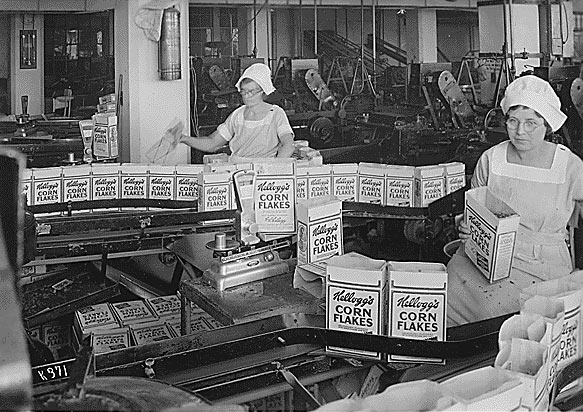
<point>544,199</point>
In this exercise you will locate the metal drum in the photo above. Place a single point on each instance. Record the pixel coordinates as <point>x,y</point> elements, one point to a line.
<point>169,57</point>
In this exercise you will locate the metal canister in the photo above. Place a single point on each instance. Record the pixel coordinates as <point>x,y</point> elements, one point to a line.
<point>169,56</point>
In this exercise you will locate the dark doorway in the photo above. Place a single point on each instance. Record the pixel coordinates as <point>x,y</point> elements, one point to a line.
<point>79,55</point>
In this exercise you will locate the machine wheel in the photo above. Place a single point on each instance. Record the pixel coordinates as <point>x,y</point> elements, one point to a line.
<point>322,129</point>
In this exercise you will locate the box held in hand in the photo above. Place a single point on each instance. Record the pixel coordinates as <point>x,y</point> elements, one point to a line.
<point>493,225</point>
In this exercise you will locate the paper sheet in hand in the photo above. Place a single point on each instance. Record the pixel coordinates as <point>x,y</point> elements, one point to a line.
<point>160,150</point>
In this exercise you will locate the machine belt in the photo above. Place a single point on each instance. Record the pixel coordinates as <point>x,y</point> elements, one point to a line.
<point>451,349</point>
<point>463,342</point>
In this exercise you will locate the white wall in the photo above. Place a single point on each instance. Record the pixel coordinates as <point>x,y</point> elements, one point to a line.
<point>150,104</point>
<point>27,82</point>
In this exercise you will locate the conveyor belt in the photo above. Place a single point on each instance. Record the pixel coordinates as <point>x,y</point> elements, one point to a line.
<point>241,357</point>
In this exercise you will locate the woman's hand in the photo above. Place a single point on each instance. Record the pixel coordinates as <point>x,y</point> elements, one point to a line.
<point>462,228</point>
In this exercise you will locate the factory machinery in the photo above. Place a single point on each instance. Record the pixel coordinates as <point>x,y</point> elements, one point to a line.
<point>413,113</point>
<point>270,346</point>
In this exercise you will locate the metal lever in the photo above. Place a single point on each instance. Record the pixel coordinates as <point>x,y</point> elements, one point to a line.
<point>291,379</point>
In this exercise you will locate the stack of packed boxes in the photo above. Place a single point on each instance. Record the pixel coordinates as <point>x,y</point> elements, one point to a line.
<point>112,326</point>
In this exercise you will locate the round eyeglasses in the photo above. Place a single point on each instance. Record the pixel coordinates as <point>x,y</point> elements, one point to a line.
<point>250,93</point>
<point>529,126</point>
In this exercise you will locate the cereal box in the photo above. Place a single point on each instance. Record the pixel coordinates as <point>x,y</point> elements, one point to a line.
<point>56,336</point>
<point>47,185</point>
<point>134,181</point>
<point>94,317</point>
<point>161,183</point>
<point>344,181</point>
<point>399,185</point>
<point>164,306</point>
<point>301,183</point>
<point>131,312</point>
<point>109,340</point>
<point>105,181</point>
<point>197,324</point>
<point>319,229</point>
<point>355,298</point>
<point>187,182</point>
<point>455,176</point>
<point>319,181</point>
<point>417,304</point>
<point>108,98</point>
<point>150,332</point>
<point>371,183</point>
<point>77,183</point>
<point>275,187</point>
<point>493,225</point>
<point>214,191</point>
<point>105,135</point>
<point>27,179</point>
<point>429,184</point>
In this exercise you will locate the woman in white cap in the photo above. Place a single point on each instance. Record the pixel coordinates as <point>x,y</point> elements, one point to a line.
<point>540,180</point>
<point>257,128</point>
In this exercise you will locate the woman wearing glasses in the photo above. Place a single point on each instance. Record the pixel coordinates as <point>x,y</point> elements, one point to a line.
<point>543,182</point>
<point>255,129</point>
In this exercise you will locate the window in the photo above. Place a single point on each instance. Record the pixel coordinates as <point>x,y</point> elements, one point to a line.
<point>214,25</point>
<point>79,54</point>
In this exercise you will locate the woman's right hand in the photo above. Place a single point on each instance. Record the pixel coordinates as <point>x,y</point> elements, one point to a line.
<point>463,231</point>
<point>462,228</point>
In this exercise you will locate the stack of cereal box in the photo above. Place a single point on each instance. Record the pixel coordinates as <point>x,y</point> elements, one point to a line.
<point>167,308</point>
<point>144,326</point>
<point>99,319</point>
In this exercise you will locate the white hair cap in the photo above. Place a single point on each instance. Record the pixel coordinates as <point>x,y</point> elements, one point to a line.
<point>260,74</point>
<point>533,92</point>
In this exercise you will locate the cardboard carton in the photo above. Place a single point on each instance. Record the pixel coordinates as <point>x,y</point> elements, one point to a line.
<point>345,181</point>
<point>109,340</point>
<point>319,229</point>
<point>455,176</point>
<point>47,185</point>
<point>493,225</point>
<point>371,183</point>
<point>417,304</point>
<point>356,299</point>
<point>399,185</point>
<point>149,332</point>
<point>105,135</point>
<point>162,182</point>
<point>301,183</point>
<point>91,318</point>
<point>319,181</point>
<point>214,191</point>
<point>187,182</point>
<point>275,193</point>
<point>429,184</point>
<point>131,312</point>
<point>77,183</point>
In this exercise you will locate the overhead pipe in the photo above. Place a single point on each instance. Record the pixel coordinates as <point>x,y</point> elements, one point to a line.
<point>362,29</point>
<point>301,33</point>
<point>316,28</point>
<point>374,42</point>
<point>254,29</point>
<point>512,59</point>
